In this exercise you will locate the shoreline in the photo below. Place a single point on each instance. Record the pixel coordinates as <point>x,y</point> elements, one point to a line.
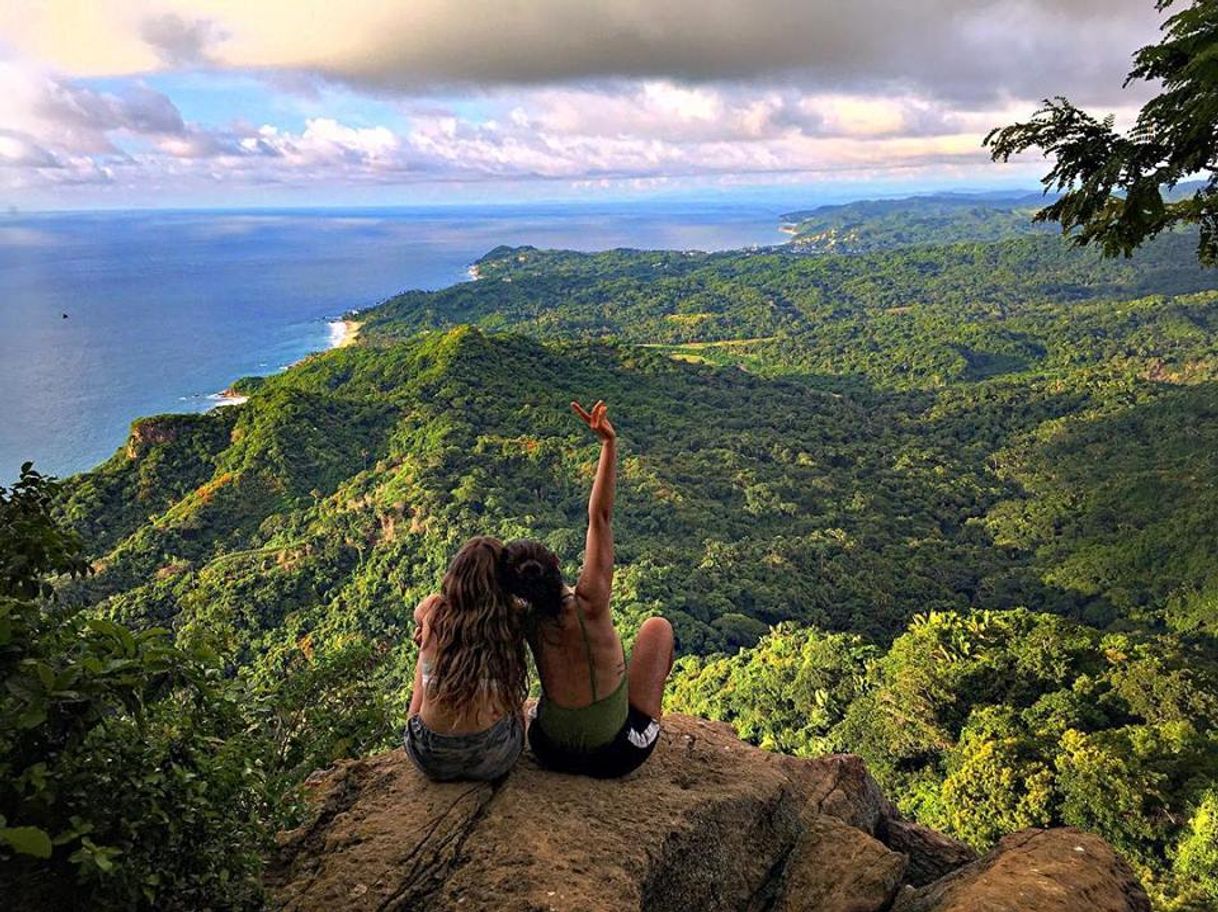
<point>225,398</point>
<point>343,333</point>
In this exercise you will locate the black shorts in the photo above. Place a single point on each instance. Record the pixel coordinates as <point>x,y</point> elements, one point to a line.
<point>621,756</point>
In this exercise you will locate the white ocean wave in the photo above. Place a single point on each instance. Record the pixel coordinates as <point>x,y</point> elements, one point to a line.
<point>226,398</point>
<point>338,332</point>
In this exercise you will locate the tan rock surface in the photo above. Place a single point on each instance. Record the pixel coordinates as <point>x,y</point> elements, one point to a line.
<point>1062,870</point>
<point>838,868</point>
<point>708,824</point>
<point>931,854</point>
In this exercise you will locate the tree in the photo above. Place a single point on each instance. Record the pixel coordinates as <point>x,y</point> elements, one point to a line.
<point>32,543</point>
<point>997,782</point>
<point>1197,854</point>
<point>129,776</point>
<point>1112,184</point>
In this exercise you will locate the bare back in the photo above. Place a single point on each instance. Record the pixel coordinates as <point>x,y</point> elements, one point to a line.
<point>568,662</point>
<point>597,717</point>
<point>437,714</point>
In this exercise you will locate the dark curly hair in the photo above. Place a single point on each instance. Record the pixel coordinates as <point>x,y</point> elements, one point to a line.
<point>530,571</point>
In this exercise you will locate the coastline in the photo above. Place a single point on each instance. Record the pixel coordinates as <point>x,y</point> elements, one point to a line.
<point>72,427</point>
<point>225,398</point>
<point>342,334</point>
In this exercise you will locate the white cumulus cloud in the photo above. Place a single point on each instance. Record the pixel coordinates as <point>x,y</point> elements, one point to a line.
<point>579,91</point>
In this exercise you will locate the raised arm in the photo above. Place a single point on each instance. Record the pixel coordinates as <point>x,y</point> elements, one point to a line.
<point>596,579</point>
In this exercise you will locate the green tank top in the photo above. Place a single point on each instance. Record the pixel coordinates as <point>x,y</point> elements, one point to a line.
<point>585,728</point>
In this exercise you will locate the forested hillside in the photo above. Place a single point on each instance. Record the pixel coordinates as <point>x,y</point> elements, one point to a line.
<point>947,218</point>
<point>970,485</point>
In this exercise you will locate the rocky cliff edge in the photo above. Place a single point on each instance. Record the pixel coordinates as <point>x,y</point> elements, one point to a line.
<point>708,824</point>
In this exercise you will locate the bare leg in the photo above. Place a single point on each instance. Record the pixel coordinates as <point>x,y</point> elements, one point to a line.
<point>650,663</point>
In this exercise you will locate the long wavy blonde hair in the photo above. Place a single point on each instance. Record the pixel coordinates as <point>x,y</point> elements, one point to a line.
<point>477,634</point>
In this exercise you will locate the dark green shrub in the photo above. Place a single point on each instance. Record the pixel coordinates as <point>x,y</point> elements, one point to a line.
<point>127,777</point>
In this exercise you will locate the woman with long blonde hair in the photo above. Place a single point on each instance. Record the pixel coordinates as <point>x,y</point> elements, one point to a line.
<point>471,678</point>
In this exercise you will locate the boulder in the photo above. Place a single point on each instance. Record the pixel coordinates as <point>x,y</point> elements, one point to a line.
<point>1060,870</point>
<point>931,854</point>
<point>835,867</point>
<point>708,824</point>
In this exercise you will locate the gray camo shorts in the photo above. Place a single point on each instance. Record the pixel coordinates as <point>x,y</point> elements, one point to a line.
<point>482,755</point>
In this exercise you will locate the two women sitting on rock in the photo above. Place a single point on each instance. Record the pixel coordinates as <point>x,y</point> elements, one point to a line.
<point>598,714</point>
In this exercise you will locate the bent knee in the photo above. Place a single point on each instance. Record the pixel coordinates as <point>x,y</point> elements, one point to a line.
<point>657,634</point>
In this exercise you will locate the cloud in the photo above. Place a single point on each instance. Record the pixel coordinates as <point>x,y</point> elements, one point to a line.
<point>58,132</point>
<point>69,119</point>
<point>669,111</point>
<point>630,131</point>
<point>964,50</point>
<point>660,129</point>
<point>180,41</point>
<point>370,93</point>
<point>325,141</point>
<point>18,151</point>
<point>138,109</point>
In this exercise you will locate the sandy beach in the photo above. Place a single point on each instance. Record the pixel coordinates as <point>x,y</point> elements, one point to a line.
<point>344,333</point>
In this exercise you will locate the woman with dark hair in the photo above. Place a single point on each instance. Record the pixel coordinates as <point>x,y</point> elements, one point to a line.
<point>471,677</point>
<point>599,714</point>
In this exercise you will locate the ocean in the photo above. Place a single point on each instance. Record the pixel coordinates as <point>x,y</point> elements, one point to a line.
<point>109,316</point>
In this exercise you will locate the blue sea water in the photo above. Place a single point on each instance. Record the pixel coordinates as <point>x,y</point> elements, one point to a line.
<point>165,309</point>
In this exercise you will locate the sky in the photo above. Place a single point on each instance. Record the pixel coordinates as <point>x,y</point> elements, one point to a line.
<point>215,103</point>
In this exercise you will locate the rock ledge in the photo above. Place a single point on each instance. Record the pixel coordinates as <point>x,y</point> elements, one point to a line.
<point>708,824</point>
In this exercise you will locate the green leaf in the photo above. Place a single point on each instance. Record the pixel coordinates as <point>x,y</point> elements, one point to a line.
<point>114,631</point>
<point>28,840</point>
<point>32,717</point>
<point>46,675</point>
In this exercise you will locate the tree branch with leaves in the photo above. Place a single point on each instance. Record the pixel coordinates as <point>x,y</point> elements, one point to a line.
<point>1116,188</point>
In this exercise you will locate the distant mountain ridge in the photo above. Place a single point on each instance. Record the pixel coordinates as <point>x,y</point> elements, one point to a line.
<point>942,218</point>
<point>866,226</point>
<point>995,199</point>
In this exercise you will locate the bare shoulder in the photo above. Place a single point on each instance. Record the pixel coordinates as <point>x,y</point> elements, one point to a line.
<point>590,605</point>
<point>422,617</point>
<point>425,607</point>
